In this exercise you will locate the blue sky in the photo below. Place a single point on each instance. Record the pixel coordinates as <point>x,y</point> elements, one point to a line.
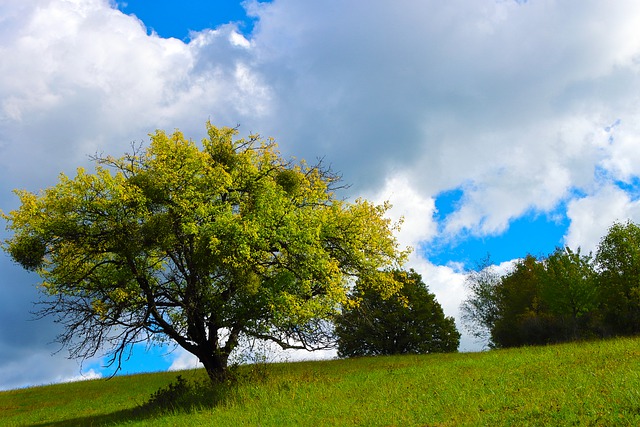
<point>493,127</point>
<point>534,233</point>
<point>175,18</point>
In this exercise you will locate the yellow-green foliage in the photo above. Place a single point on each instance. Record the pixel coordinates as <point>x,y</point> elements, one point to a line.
<point>246,209</point>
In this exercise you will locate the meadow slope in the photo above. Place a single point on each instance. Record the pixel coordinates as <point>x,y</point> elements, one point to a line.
<point>594,383</point>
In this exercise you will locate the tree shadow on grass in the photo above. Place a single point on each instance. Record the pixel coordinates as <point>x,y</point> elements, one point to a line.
<point>178,397</point>
<point>99,420</point>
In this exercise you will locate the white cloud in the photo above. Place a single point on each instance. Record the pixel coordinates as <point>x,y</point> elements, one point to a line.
<point>183,360</point>
<point>592,215</point>
<point>91,374</point>
<point>413,211</point>
<point>85,78</point>
<point>621,154</point>
<point>453,94</point>
<point>40,367</point>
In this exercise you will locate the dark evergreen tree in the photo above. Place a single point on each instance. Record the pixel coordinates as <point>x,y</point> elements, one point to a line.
<point>409,322</point>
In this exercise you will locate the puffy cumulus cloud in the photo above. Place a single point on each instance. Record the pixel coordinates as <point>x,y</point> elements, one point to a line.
<point>507,100</point>
<point>409,209</point>
<point>91,374</point>
<point>183,360</point>
<point>621,157</point>
<point>37,366</point>
<point>83,78</point>
<point>501,98</point>
<point>534,170</point>
<point>592,215</point>
<point>612,196</point>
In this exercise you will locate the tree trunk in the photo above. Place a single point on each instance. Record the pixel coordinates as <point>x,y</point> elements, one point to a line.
<point>215,364</point>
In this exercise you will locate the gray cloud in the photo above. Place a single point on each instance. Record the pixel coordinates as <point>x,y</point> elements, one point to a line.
<point>452,93</point>
<point>507,100</point>
<point>26,350</point>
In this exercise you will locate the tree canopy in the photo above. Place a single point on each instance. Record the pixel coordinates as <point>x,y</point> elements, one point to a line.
<point>618,261</point>
<point>201,245</point>
<point>479,311</point>
<point>409,322</point>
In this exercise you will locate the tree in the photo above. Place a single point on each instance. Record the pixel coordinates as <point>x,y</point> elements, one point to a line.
<point>411,321</point>
<point>618,262</point>
<point>201,245</point>
<point>570,293</point>
<point>479,310</point>
<point>521,316</point>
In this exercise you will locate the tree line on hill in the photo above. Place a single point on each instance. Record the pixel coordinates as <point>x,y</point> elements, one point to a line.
<point>565,296</point>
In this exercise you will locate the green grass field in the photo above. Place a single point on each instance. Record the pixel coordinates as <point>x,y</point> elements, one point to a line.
<point>593,384</point>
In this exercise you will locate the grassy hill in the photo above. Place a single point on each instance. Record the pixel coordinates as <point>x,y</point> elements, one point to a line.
<point>596,383</point>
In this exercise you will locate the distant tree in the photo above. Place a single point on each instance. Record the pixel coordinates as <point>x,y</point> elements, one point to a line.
<point>569,291</point>
<point>521,316</point>
<point>200,245</point>
<point>411,321</point>
<point>479,310</point>
<point>618,263</point>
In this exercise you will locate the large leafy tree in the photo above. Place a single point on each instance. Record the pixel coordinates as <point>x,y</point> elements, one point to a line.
<point>199,244</point>
<point>411,321</point>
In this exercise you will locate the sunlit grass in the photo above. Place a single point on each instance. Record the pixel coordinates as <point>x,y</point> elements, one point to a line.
<point>594,383</point>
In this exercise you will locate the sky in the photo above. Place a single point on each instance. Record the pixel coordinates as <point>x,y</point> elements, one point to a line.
<point>495,127</point>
